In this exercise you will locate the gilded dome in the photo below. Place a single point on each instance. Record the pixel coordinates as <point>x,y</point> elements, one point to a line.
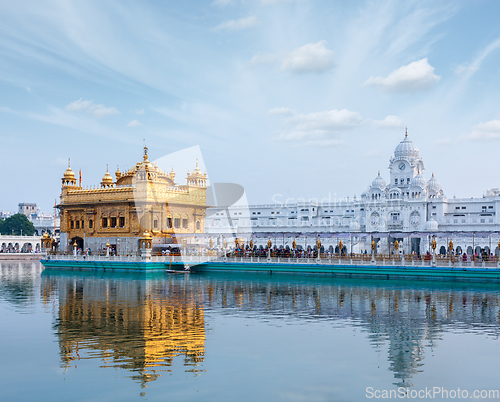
<point>107,179</point>
<point>379,182</point>
<point>197,171</point>
<point>145,170</point>
<point>69,174</point>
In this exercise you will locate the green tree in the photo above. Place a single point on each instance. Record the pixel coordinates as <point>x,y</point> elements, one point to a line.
<point>16,223</point>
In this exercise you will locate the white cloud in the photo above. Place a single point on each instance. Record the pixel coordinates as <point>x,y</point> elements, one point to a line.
<point>310,58</point>
<point>98,111</point>
<point>134,123</point>
<point>330,120</point>
<point>388,122</point>
<point>468,69</point>
<point>236,25</point>
<point>313,57</point>
<point>484,131</point>
<point>139,111</point>
<point>78,105</point>
<point>316,128</point>
<point>59,117</point>
<point>413,77</point>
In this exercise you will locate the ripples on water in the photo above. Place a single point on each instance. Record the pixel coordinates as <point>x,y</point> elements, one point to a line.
<point>143,323</point>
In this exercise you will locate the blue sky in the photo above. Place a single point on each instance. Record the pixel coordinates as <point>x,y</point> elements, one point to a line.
<point>289,98</point>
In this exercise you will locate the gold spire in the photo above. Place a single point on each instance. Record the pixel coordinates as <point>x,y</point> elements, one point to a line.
<point>69,174</point>
<point>106,179</point>
<point>406,132</point>
<point>145,153</point>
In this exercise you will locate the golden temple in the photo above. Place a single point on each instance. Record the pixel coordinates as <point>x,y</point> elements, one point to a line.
<point>119,211</point>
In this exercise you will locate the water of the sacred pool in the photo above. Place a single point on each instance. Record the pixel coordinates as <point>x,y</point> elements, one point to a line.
<point>99,336</point>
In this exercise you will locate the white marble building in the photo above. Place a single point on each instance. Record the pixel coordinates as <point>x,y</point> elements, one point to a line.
<point>408,208</point>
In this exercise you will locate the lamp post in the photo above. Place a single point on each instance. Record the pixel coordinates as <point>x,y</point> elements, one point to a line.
<point>374,246</point>
<point>498,257</point>
<point>318,246</point>
<point>433,246</point>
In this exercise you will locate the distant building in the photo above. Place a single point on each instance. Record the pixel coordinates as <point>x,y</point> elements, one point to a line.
<point>407,208</point>
<point>5,214</point>
<point>117,212</point>
<point>27,209</point>
<point>42,221</point>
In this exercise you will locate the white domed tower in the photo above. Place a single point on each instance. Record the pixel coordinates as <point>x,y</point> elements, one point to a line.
<point>405,165</point>
<point>377,189</point>
<point>434,189</point>
<point>417,187</point>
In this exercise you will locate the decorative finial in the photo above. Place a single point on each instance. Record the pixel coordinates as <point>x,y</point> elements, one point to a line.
<point>69,163</point>
<point>145,153</point>
<point>406,132</point>
<point>196,163</point>
<point>379,172</point>
<point>107,168</point>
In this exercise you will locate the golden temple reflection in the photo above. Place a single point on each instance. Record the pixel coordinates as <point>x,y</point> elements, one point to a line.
<point>128,326</point>
<point>143,325</point>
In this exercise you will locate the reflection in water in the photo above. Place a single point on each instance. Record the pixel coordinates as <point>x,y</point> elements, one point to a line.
<point>141,323</point>
<point>17,283</point>
<point>407,316</point>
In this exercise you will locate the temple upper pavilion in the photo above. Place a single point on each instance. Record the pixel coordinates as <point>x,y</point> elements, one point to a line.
<point>118,212</point>
<point>407,207</point>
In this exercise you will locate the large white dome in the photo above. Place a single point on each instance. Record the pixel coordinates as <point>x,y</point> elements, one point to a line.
<point>406,149</point>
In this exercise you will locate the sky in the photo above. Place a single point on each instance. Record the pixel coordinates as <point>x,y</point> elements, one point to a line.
<point>292,99</point>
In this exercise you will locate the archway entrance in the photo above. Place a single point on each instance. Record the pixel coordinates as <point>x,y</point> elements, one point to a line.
<point>79,243</point>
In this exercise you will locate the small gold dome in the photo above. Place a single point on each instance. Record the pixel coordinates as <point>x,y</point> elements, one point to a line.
<point>69,174</point>
<point>118,174</point>
<point>107,179</point>
<point>196,171</point>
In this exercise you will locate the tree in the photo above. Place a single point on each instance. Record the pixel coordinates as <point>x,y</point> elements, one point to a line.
<point>16,223</point>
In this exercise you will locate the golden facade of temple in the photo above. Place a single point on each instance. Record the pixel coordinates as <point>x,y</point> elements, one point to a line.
<point>144,198</point>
